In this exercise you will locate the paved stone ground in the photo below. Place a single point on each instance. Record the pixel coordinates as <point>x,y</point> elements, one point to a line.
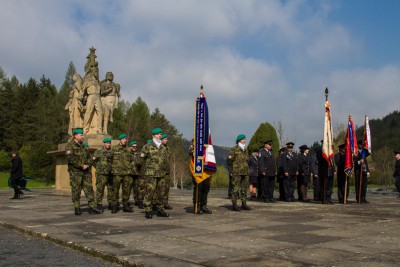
<point>282,234</point>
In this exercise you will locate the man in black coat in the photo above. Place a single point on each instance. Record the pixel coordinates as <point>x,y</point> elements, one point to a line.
<point>16,174</point>
<point>325,177</point>
<point>267,169</point>
<point>361,170</point>
<point>341,175</point>
<point>281,173</point>
<point>290,167</point>
<point>305,172</point>
<point>396,173</point>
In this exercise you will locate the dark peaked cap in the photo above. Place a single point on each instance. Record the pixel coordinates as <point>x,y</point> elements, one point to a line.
<point>290,144</point>
<point>269,142</point>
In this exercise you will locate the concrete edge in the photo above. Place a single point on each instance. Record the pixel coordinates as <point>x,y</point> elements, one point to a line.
<point>90,251</point>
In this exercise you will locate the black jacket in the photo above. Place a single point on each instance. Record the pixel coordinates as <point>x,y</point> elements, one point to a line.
<point>253,166</point>
<point>266,163</point>
<point>16,168</point>
<point>304,164</point>
<point>290,163</point>
<point>397,169</point>
<point>340,164</point>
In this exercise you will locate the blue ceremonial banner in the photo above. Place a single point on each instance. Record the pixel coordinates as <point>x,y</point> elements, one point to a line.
<point>203,162</point>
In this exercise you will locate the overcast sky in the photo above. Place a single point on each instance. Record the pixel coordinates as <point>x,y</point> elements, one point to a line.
<point>259,61</point>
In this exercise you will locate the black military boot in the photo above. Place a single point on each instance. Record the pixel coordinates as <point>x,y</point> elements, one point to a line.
<point>235,207</point>
<point>127,208</point>
<point>78,211</point>
<point>94,210</point>
<point>245,206</point>
<point>20,194</point>
<point>199,210</point>
<point>206,210</point>
<point>167,207</point>
<point>148,215</point>
<point>114,209</point>
<point>14,197</point>
<point>162,213</point>
<point>100,207</point>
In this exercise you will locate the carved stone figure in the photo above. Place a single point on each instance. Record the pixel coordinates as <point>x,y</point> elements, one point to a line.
<point>92,121</point>
<point>75,105</point>
<point>110,93</point>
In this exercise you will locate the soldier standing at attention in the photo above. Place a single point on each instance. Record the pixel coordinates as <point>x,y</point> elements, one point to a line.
<point>267,168</point>
<point>240,172</point>
<point>167,166</point>
<point>396,173</point>
<point>280,174</point>
<point>291,170</point>
<point>121,170</point>
<point>102,162</point>
<point>78,168</point>
<point>341,175</point>
<point>202,188</point>
<point>135,171</point>
<point>253,174</point>
<point>305,173</point>
<point>152,156</point>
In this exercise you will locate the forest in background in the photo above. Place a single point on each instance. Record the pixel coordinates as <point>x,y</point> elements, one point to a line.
<point>33,120</point>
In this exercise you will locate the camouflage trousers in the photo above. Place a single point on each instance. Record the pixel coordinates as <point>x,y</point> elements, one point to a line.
<point>240,187</point>
<point>124,181</point>
<point>135,187</point>
<point>81,180</point>
<point>103,180</point>
<point>155,192</point>
<point>141,188</point>
<point>203,189</point>
<point>166,191</point>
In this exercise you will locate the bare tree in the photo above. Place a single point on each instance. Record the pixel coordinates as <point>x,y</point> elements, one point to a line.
<point>282,137</point>
<point>339,133</point>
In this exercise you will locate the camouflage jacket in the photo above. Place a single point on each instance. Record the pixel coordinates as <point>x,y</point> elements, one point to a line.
<point>238,159</point>
<point>153,160</point>
<point>167,158</point>
<point>76,155</point>
<point>102,161</point>
<point>121,160</point>
<point>136,162</point>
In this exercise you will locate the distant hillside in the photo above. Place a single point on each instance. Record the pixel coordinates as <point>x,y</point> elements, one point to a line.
<point>384,132</point>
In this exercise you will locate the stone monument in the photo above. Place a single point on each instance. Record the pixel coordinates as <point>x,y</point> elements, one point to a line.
<point>90,107</point>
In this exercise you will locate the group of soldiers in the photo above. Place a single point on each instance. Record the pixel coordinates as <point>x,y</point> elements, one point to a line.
<point>261,170</point>
<point>146,173</point>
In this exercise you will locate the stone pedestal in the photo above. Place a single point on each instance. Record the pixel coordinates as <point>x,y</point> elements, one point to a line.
<point>62,182</point>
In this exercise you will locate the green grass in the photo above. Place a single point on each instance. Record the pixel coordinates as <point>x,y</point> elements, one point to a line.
<point>32,183</point>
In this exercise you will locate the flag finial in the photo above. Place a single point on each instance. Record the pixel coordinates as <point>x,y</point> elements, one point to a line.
<point>326,93</point>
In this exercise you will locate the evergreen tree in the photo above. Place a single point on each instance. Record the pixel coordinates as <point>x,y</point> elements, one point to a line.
<point>6,98</point>
<point>120,117</point>
<point>138,121</point>
<point>264,132</point>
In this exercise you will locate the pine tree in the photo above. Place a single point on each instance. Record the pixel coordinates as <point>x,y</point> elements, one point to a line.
<point>264,132</point>
<point>138,121</point>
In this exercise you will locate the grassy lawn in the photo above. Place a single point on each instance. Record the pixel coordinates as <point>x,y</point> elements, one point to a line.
<point>32,183</point>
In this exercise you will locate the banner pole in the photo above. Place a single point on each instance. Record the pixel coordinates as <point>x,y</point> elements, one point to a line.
<point>196,204</point>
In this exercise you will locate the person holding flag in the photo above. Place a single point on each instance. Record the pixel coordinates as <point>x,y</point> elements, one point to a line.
<point>202,163</point>
<point>361,172</point>
<point>341,175</point>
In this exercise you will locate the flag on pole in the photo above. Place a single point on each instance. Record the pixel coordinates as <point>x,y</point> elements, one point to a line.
<point>351,148</point>
<point>367,139</point>
<point>327,147</point>
<point>203,163</point>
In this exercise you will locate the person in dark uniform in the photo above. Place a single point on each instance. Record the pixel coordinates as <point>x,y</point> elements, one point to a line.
<point>253,174</point>
<point>341,175</point>
<point>291,170</point>
<point>317,162</point>
<point>16,174</point>
<point>305,172</point>
<point>267,169</point>
<point>396,173</point>
<point>280,173</point>
<point>361,170</point>
<point>325,177</point>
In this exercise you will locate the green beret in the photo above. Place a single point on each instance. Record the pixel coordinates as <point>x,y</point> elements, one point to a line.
<point>86,144</point>
<point>78,131</point>
<point>240,137</point>
<point>132,143</point>
<point>164,136</point>
<point>149,141</point>
<point>121,136</point>
<point>107,140</point>
<point>156,131</point>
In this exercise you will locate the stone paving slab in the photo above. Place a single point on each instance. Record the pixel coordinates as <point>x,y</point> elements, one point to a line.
<point>281,234</point>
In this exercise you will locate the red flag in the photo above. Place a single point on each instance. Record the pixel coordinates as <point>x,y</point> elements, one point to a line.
<point>351,148</point>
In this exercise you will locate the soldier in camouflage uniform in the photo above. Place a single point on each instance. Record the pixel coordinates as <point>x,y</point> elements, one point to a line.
<point>135,167</point>
<point>102,162</point>
<point>237,157</point>
<point>121,169</point>
<point>167,166</point>
<point>79,169</point>
<point>152,154</point>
